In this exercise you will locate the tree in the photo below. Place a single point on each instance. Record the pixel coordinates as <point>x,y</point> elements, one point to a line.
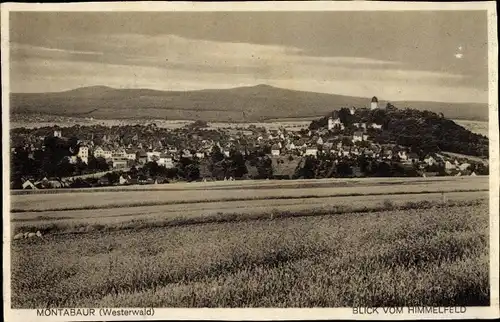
<point>237,166</point>
<point>199,124</point>
<point>217,155</point>
<point>113,177</point>
<point>308,169</point>
<point>80,166</point>
<point>345,116</point>
<point>56,150</point>
<point>383,170</point>
<point>64,169</point>
<point>133,172</point>
<point>343,169</point>
<point>264,168</point>
<point>98,164</point>
<point>80,183</point>
<point>192,172</point>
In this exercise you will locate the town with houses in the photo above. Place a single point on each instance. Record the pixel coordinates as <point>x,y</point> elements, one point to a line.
<point>100,156</point>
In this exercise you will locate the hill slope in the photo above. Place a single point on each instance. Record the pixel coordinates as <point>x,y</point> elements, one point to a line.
<point>423,131</point>
<point>243,104</point>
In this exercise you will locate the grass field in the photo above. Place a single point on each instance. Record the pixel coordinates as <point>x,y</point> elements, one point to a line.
<point>364,242</point>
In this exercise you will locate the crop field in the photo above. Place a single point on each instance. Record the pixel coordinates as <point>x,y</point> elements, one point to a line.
<point>380,242</point>
<point>479,127</point>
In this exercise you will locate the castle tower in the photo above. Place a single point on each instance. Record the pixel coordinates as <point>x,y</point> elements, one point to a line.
<point>374,103</point>
<point>330,123</point>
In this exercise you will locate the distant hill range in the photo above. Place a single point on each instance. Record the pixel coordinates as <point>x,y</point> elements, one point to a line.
<point>243,104</point>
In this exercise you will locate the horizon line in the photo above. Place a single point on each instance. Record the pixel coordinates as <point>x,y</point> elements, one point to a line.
<point>244,86</point>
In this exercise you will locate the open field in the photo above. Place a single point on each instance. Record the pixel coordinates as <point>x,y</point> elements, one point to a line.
<point>292,125</point>
<point>66,210</point>
<point>434,256</point>
<point>478,127</point>
<point>335,242</point>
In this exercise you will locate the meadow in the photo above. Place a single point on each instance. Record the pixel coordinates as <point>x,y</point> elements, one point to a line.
<point>478,127</point>
<point>357,246</point>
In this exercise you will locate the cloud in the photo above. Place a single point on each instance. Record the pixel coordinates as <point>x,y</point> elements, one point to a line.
<point>171,62</point>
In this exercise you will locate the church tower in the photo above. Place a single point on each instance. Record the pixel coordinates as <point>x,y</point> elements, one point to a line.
<point>374,103</point>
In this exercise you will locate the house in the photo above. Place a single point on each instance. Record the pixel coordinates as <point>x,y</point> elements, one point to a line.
<point>402,155</point>
<point>107,153</point>
<point>166,160</point>
<point>387,154</point>
<point>98,152</point>
<point>365,137</point>
<point>430,160</point>
<point>29,185</point>
<point>311,151</point>
<point>160,180</point>
<point>352,110</point>
<point>200,155</point>
<point>319,141</point>
<point>120,163</point>
<point>376,126</point>
<point>119,154</point>
<point>142,157</point>
<point>186,153</point>
<point>275,150</point>
<point>357,136</point>
<point>58,133</point>
<point>153,156</point>
<point>464,166</point>
<point>130,154</point>
<point>123,179</point>
<point>332,123</point>
<point>448,165</point>
<point>83,153</point>
<point>227,153</point>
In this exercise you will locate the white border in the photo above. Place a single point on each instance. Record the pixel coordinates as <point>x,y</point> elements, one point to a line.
<point>265,314</point>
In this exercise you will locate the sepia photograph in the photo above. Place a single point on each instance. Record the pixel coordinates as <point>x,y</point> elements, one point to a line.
<point>340,156</point>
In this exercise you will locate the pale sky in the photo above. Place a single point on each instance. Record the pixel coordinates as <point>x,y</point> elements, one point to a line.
<point>429,56</point>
